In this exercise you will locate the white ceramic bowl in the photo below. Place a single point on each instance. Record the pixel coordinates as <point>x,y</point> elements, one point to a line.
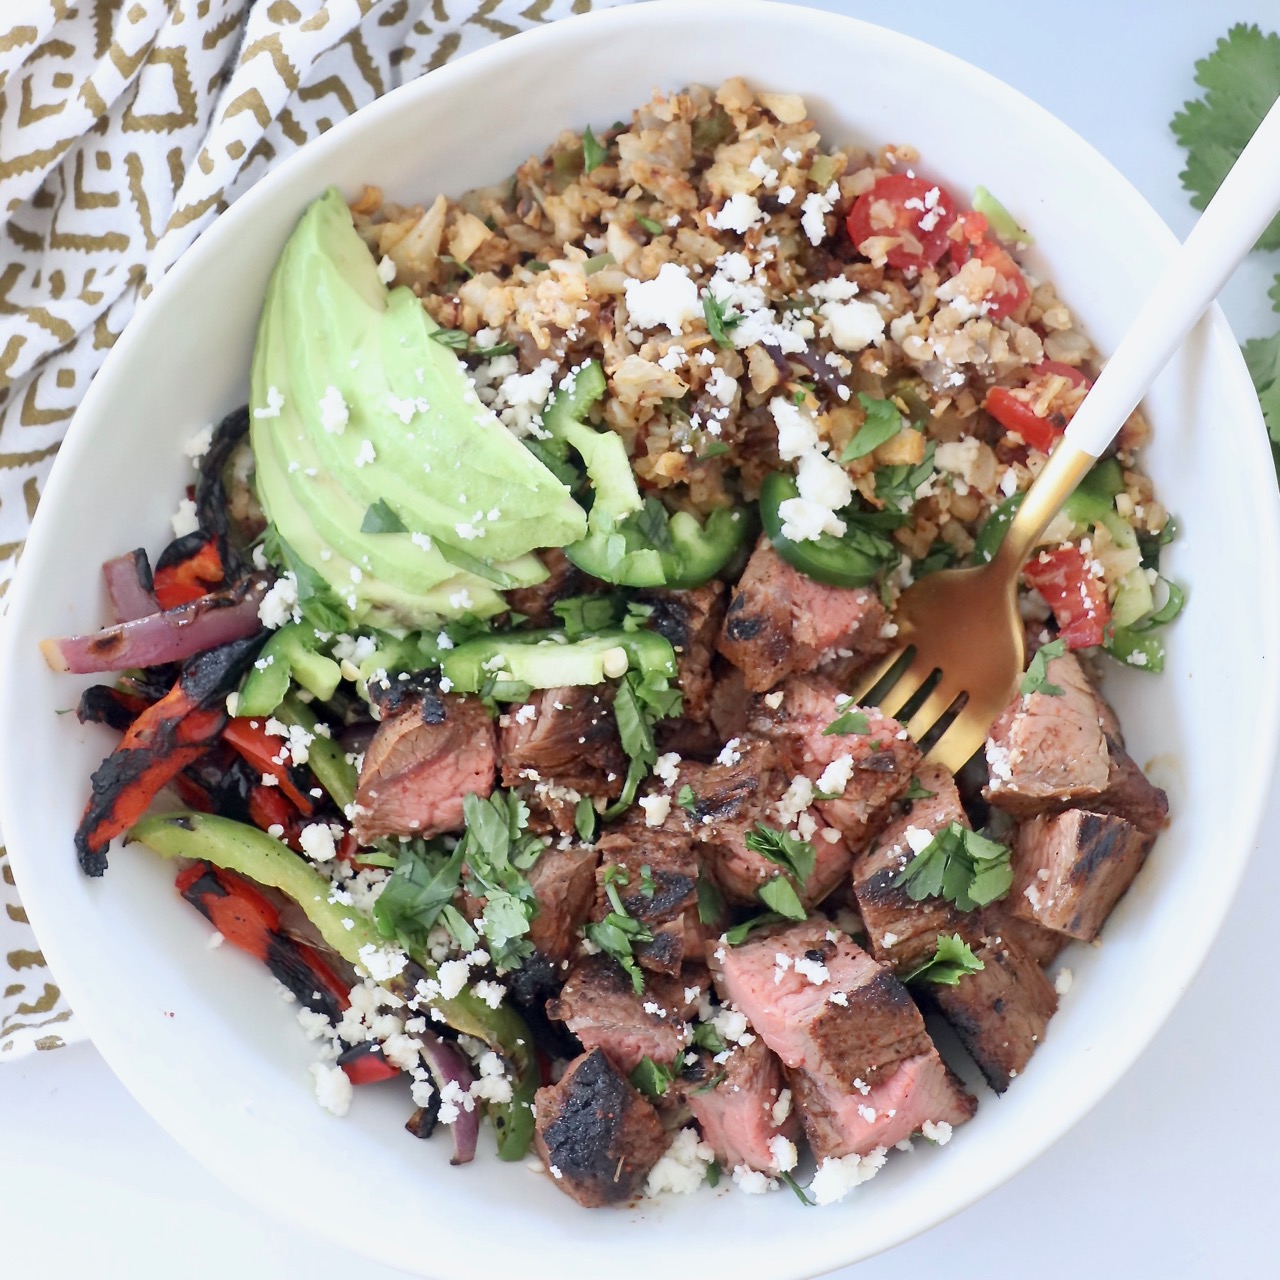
<point>201,1038</point>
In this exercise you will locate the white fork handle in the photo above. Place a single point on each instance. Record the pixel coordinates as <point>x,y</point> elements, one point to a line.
<point>1236,216</point>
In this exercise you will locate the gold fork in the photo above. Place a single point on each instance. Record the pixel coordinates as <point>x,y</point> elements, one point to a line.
<point>962,626</point>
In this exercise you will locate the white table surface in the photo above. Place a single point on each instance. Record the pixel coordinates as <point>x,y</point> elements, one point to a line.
<point>1173,1175</point>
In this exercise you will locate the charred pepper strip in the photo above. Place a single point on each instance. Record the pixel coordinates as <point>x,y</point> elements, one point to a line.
<point>263,751</point>
<point>189,568</point>
<point>261,858</point>
<point>167,737</point>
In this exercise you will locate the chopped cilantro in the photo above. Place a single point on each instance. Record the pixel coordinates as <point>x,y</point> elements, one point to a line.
<point>719,320</point>
<point>952,959</point>
<point>379,518</point>
<point>593,153</point>
<point>1036,679</point>
<point>714,449</point>
<point>461,340</point>
<point>1262,355</point>
<point>467,271</point>
<point>317,602</point>
<point>640,701</point>
<point>598,263</point>
<point>854,721</point>
<point>652,227</point>
<point>792,854</point>
<point>740,932</point>
<point>705,1036</point>
<point>423,884</point>
<point>779,895</point>
<point>651,1078</point>
<point>789,1181</point>
<point>713,1174</point>
<point>896,486</point>
<point>648,885</point>
<point>882,423</point>
<point>686,799</point>
<point>586,615</point>
<point>535,266</point>
<point>959,865</point>
<point>711,906</point>
<point>615,935</point>
<point>584,820</point>
<point>917,792</point>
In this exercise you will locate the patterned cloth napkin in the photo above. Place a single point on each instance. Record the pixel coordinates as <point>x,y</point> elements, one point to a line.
<point>126,127</point>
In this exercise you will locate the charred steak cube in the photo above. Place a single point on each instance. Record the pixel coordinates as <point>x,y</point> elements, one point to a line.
<point>596,1134</point>
<point>1048,751</point>
<point>690,620</point>
<point>601,1007</point>
<point>564,884</point>
<point>1070,869</point>
<point>821,1004</point>
<point>779,622</point>
<point>865,771</point>
<point>564,579</point>
<point>564,738</point>
<point>999,924</point>
<point>1000,1013</point>
<point>902,932</point>
<point>919,1094</point>
<point>742,1105</point>
<point>420,764</point>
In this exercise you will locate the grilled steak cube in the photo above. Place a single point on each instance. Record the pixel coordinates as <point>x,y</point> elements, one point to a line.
<point>690,620</point>
<point>1047,751</point>
<point>868,770</point>
<point>564,883</point>
<point>821,1005</point>
<point>914,1093</point>
<point>601,1007</point>
<point>902,932</point>
<point>742,1105</point>
<point>596,1134</point>
<point>1070,869</point>
<point>564,738</point>
<point>419,765</point>
<point>779,622</point>
<point>1001,1012</point>
<point>1041,945</point>
<point>564,579</point>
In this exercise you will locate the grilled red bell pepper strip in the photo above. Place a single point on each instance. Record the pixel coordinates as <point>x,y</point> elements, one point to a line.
<point>364,1063</point>
<point>1012,408</point>
<point>263,750</point>
<point>188,569</point>
<point>1077,598</point>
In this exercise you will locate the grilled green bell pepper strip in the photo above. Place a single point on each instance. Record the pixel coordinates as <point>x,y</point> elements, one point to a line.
<point>827,558</point>
<point>289,654</point>
<point>325,758</point>
<point>631,541</point>
<point>547,660</point>
<point>238,847</point>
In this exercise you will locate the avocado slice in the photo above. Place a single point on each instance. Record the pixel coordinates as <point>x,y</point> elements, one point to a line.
<point>354,403</point>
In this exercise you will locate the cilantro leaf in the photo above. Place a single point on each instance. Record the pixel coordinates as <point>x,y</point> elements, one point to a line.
<point>653,1079</point>
<point>788,851</point>
<point>1036,679</point>
<point>615,935</point>
<point>959,865</point>
<point>584,820</point>
<point>686,799</point>
<point>593,153</point>
<point>719,320</point>
<point>380,518</point>
<point>779,895</point>
<point>917,791</point>
<point>896,486</point>
<point>586,615</point>
<point>1262,355</point>
<point>740,932</point>
<point>1241,79</point>
<point>854,721</point>
<point>711,906</point>
<point>317,601</point>
<point>705,1036</point>
<point>788,1180</point>
<point>882,423</point>
<point>422,885</point>
<point>952,959</point>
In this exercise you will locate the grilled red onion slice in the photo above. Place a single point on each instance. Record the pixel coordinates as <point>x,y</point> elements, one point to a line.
<point>128,579</point>
<point>175,634</point>
<point>448,1063</point>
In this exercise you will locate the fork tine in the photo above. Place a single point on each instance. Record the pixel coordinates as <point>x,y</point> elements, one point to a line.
<point>964,736</point>
<point>908,684</point>
<point>873,675</point>
<point>932,710</point>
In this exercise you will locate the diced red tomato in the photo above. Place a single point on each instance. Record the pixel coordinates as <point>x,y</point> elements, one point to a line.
<point>261,749</point>
<point>240,912</point>
<point>1009,294</point>
<point>1078,599</point>
<point>1075,376</point>
<point>921,212</point>
<point>189,579</point>
<point>1014,412</point>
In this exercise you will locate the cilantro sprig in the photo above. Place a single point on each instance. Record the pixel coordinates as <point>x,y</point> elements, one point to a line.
<point>882,423</point>
<point>796,857</point>
<point>618,932</point>
<point>959,865</point>
<point>952,960</point>
<point>1036,679</point>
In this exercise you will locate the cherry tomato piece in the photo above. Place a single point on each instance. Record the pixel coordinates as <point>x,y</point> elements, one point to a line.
<point>1077,598</point>
<point>918,211</point>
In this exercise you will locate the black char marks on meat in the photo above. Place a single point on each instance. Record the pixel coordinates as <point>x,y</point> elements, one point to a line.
<point>1048,751</point>
<point>1071,868</point>
<point>601,1007</point>
<point>903,932</point>
<point>564,579</point>
<point>421,763</point>
<point>564,737</point>
<point>780,622</point>
<point>690,621</point>
<point>597,1136</point>
<point>1000,1013</point>
<point>654,872</point>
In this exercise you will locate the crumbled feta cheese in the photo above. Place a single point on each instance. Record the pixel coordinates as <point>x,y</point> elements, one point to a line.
<point>333,1089</point>
<point>655,809</point>
<point>835,1178</point>
<point>198,445</point>
<point>667,768</point>
<point>490,992</point>
<point>752,1181</point>
<point>275,402</point>
<point>939,1131</point>
<point>386,270</point>
<point>813,212</point>
<point>366,453</point>
<point>729,753</point>
<point>782,1108</point>
<point>452,977</point>
<point>783,1155</point>
<point>316,840</point>
<point>835,777</point>
<point>721,386</point>
<point>382,963</point>
<point>278,605</point>
<point>888,938</point>
<point>185,520</point>
<point>918,839</point>
<point>814,970</point>
<point>797,431</point>
<point>740,212</point>
<point>1062,983</point>
<point>670,300</point>
<point>682,1167</point>
<point>852,325</point>
<point>334,414</point>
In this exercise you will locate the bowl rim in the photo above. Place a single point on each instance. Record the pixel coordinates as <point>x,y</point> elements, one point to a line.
<point>823,1253</point>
